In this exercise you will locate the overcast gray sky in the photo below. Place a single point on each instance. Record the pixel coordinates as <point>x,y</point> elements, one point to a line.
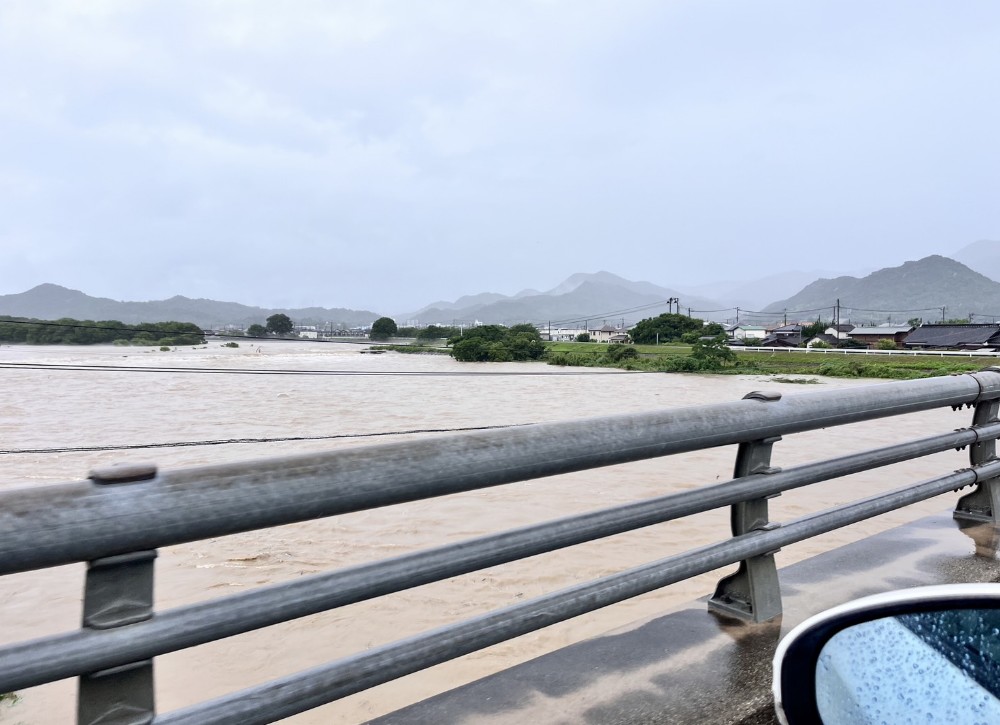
<point>384,155</point>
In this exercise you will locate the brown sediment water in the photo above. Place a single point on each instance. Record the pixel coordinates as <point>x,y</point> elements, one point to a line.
<point>44,408</point>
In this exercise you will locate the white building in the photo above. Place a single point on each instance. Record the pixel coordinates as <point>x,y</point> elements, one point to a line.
<point>746,332</point>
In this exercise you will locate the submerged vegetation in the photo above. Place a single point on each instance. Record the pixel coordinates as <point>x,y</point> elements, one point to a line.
<point>67,331</point>
<point>682,359</point>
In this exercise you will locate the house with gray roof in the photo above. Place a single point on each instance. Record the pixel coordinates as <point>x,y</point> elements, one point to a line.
<point>954,337</point>
<point>872,334</point>
<point>783,336</point>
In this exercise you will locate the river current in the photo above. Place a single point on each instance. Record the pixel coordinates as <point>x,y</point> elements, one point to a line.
<point>44,409</point>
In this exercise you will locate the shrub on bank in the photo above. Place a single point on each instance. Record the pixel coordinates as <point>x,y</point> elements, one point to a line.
<point>494,343</point>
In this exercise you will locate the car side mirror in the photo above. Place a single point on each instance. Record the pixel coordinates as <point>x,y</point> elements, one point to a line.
<point>929,654</point>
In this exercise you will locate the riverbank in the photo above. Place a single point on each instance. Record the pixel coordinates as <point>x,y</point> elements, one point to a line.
<point>679,359</point>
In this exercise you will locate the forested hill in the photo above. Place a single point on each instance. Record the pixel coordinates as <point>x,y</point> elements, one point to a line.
<point>52,302</point>
<point>932,282</point>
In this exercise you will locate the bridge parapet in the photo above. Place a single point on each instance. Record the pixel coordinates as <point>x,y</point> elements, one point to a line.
<point>118,518</point>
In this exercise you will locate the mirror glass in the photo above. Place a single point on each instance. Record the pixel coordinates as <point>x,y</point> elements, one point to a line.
<point>939,666</point>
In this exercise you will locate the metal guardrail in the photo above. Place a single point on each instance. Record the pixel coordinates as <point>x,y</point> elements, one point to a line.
<point>117,519</point>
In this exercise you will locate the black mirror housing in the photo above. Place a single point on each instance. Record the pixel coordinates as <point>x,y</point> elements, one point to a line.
<point>935,649</point>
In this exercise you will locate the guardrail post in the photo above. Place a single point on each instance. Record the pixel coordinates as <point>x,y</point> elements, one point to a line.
<point>983,503</point>
<point>118,591</point>
<point>752,593</point>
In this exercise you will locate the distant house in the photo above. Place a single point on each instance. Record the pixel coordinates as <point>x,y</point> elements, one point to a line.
<point>607,333</point>
<point>783,336</point>
<point>787,330</point>
<point>870,336</point>
<point>825,339</point>
<point>746,332</point>
<point>839,332</point>
<point>561,334</point>
<point>954,337</point>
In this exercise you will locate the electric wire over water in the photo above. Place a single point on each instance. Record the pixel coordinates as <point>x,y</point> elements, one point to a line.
<point>68,367</point>
<point>227,441</point>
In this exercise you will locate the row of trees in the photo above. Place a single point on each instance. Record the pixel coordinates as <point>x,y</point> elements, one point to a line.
<point>496,343</point>
<point>68,331</point>
<point>431,332</point>
<point>385,327</point>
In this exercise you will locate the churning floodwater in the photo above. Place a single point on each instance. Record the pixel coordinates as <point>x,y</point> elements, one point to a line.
<point>45,409</point>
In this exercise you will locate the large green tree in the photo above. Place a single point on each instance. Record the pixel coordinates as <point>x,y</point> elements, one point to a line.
<point>383,328</point>
<point>256,331</point>
<point>668,327</point>
<point>495,343</point>
<point>279,324</point>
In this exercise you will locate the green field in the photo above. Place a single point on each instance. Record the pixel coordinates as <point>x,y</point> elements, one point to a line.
<point>667,358</point>
<point>899,367</point>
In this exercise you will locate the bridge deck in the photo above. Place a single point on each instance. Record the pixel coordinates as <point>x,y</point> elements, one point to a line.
<point>691,666</point>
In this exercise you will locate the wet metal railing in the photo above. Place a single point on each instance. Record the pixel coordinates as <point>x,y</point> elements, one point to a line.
<point>117,519</point>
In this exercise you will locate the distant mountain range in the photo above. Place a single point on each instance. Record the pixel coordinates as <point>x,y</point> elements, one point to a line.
<point>602,296</point>
<point>52,302</point>
<point>982,256</point>
<point>757,294</point>
<point>915,289</point>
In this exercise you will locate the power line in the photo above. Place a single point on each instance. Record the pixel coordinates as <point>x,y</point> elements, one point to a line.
<point>889,312</point>
<point>68,367</point>
<point>227,441</point>
<point>612,313</point>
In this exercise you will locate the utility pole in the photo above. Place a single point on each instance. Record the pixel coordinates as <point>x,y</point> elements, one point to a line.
<point>737,315</point>
<point>942,314</point>
<point>785,316</point>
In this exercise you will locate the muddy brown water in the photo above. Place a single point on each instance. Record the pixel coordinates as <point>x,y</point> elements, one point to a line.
<point>52,408</point>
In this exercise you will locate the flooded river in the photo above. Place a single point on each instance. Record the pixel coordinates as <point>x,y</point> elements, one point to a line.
<point>44,409</point>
